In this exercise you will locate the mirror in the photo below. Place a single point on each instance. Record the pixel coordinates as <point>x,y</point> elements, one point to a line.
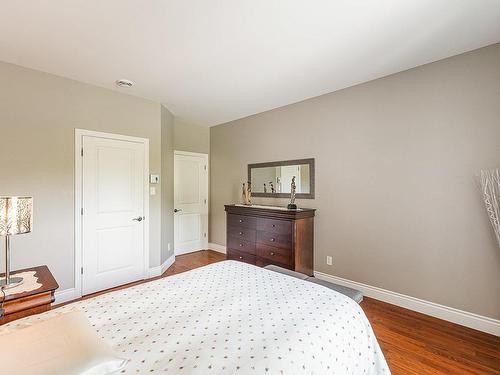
<point>274,179</point>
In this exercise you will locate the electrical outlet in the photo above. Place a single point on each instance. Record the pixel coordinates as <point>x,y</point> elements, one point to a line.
<point>329,260</point>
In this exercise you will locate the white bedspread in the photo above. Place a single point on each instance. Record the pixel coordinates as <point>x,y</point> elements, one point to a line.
<point>233,318</point>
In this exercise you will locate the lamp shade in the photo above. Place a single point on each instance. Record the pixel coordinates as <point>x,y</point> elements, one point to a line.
<point>16,215</point>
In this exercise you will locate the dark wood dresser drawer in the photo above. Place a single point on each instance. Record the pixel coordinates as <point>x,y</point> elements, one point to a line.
<point>241,233</point>
<point>241,245</point>
<point>242,257</point>
<point>275,254</point>
<point>274,239</point>
<point>275,226</point>
<point>241,221</point>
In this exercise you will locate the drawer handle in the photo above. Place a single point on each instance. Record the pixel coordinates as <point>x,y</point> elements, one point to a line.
<point>241,245</point>
<point>272,253</point>
<point>241,233</point>
<point>240,257</point>
<point>274,225</point>
<point>241,220</point>
<point>272,239</point>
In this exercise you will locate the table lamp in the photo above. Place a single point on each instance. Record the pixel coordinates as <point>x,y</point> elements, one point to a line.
<point>16,217</point>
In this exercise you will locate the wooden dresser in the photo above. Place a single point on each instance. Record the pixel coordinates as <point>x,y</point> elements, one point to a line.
<point>263,236</point>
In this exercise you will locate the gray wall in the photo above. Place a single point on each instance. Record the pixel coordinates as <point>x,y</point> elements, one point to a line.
<point>192,138</point>
<point>398,206</point>
<point>38,115</point>
<point>167,183</point>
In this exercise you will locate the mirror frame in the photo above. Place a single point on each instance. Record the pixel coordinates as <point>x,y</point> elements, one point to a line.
<point>310,162</point>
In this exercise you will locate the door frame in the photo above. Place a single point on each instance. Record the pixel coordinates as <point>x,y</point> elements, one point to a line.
<point>78,204</point>
<point>207,159</point>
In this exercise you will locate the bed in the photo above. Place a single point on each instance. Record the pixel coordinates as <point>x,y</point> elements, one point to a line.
<point>232,318</point>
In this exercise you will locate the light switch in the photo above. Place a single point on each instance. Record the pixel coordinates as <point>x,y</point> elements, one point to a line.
<point>152,190</point>
<point>154,178</point>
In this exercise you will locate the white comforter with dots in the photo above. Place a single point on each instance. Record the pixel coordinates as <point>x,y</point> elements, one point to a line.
<point>233,318</point>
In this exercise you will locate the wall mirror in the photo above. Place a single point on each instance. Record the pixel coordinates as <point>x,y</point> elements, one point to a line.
<point>273,180</point>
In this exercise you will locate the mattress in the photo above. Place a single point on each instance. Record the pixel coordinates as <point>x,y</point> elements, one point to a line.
<point>232,318</point>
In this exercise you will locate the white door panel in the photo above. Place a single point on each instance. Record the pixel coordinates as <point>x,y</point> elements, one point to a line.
<point>190,227</point>
<point>113,196</point>
<point>189,191</point>
<point>191,202</point>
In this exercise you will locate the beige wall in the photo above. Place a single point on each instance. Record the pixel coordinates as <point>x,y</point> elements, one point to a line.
<point>38,115</point>
<point>167,183</point>
<point>398,206</point>
<point>192,138</point>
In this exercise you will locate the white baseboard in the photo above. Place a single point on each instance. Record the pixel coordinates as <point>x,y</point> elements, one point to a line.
<point>166,265</point>
<point>468,319</point>
<point>154,272</point>
<point>65,295</point>
<point>158,270</point>
<point>217,247</point>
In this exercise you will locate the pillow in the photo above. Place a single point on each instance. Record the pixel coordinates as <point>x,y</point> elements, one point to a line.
<point>64,345</point>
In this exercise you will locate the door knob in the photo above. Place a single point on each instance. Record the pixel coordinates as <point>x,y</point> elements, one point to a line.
<point>177,210</point>
<point>139,218</point>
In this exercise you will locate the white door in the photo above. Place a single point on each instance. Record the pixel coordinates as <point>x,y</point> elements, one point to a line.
<point>113,173</point>
<point>190,202</point>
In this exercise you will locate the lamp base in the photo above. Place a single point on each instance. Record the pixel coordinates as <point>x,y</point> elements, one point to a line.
<point>13,281</point>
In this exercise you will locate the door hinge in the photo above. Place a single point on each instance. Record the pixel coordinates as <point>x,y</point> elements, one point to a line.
<point>81,270</point>
<point>204,234</point>
<point>205,167</point>
<point>81,153</point>
<point>205,201</point>
<point>81,211</point>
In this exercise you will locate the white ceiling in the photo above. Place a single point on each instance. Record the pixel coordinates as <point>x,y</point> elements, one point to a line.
<point>214,61</point>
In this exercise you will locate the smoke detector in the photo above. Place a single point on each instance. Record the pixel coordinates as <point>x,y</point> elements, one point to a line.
<point>124,83</point>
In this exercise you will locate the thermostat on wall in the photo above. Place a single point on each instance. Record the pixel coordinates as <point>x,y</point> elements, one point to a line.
<point>154,179</point>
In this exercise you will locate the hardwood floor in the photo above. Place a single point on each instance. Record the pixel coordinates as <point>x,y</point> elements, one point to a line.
<point>412,343</point>
<point>189,261</point>
<point>415,343</point>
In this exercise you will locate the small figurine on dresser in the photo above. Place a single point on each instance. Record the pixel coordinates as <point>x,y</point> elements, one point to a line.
<point>293,188</point>
<point>272,187</point>
<point>265,188</point>
<point>246,194</point>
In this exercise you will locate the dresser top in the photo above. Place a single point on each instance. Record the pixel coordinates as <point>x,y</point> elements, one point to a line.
<point>269,211</point>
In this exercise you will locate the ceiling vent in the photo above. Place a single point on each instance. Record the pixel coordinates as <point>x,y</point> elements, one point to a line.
<point>124,83</point>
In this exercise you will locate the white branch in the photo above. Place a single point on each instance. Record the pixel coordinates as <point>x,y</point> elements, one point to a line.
<point>490,182</point>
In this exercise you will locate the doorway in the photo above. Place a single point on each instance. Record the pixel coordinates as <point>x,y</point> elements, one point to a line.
<point>190,202</point>
<point>112,197</point>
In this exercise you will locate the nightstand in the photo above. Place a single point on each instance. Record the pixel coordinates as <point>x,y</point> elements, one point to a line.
<point>36,301</point>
